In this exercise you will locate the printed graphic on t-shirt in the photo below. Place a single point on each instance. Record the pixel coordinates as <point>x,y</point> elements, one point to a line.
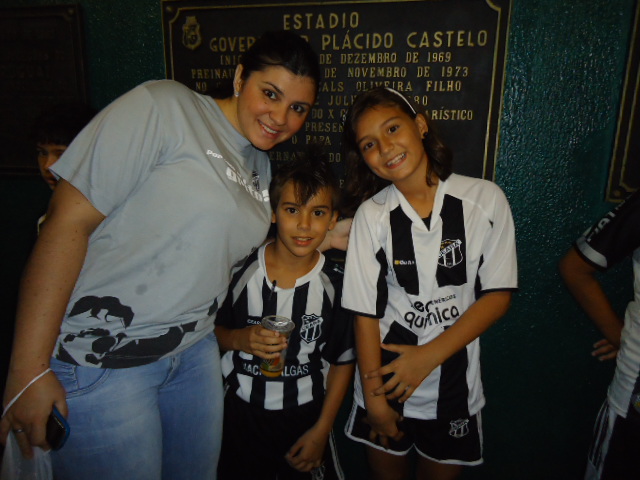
<point>116,350</point>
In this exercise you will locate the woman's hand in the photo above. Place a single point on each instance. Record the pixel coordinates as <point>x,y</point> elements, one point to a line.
<point>338,237</point>
<point>28,416</point>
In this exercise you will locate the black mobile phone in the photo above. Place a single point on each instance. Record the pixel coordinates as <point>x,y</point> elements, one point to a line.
<point>57,429</point>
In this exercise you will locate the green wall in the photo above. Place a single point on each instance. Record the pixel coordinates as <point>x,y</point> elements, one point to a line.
<point>565,70</point>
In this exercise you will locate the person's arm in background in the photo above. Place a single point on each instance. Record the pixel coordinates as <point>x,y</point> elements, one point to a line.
<point>579,276</point>
<point>46,286</point>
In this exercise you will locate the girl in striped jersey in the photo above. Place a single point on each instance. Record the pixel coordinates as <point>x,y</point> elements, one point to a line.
<point>431,265</point>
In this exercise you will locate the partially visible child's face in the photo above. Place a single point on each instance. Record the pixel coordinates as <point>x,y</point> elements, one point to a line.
<point>302,228</point>
<point>48,154</point>
<point>390,143</point>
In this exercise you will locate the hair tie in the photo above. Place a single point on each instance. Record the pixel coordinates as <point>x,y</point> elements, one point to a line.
<point>403,98</point>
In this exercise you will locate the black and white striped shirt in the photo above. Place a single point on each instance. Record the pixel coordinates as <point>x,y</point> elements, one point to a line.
<point>323,333</point>
<point>418,276</point>
<point>613,238</point>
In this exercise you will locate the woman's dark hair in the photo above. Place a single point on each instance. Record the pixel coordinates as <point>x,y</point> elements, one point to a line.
<point>61,123</point>
<point>280,48</point>
<point>310,172</point>
<point>360,182</point>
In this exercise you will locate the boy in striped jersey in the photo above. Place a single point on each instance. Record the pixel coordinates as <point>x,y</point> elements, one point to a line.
<point>285,422</point>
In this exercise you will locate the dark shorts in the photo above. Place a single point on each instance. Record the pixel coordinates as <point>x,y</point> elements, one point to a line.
<point>255,441</point>
<point>615,447</point>
<point>455,441</point>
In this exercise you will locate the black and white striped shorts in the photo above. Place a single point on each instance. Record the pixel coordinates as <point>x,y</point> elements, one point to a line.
<point>615,448</point>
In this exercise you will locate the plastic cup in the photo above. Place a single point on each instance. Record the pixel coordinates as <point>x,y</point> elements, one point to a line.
<point>284,326</point>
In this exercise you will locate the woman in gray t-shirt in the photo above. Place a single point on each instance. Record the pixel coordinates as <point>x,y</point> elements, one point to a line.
<point>159,196</point>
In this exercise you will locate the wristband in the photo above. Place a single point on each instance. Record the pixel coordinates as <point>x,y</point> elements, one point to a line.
<point>13,400</point>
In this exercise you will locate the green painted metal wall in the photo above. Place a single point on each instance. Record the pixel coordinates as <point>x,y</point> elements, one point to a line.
<point>565,69</point>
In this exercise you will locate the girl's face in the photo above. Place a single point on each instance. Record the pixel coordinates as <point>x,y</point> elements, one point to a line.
<point>273,105</point>
<point>390,143</point>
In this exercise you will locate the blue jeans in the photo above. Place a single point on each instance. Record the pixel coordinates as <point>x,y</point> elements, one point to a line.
<point>157,421</point>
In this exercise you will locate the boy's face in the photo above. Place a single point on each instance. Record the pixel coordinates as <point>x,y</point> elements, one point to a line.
<point>48,154</point>
<point>302,228</point>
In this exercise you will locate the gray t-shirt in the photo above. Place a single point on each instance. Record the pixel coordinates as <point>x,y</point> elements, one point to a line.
<point>185,198</point>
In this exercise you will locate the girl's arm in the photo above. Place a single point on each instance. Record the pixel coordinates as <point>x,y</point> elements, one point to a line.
<point>307,453</point>
<point>46,286</point>
<point>380,416</point>
<point>415,363</point>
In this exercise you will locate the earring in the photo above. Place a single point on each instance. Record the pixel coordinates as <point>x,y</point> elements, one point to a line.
<point>236,93</point>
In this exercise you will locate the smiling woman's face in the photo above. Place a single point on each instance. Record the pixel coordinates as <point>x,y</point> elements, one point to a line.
<point>273,105</point>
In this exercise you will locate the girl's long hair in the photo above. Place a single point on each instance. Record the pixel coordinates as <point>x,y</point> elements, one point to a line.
<point>360,182</point>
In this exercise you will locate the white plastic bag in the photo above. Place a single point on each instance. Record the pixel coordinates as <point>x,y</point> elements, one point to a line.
<point>16,467</point>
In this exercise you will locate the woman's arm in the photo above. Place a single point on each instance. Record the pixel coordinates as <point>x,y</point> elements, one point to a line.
<point>415,363</point>
<point>46,286</point>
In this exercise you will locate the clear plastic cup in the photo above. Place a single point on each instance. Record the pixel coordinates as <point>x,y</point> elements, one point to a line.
<point>284,326</point>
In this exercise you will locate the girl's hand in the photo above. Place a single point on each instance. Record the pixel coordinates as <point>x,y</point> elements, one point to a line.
<point>308,452</point>
<point>411,367</point>
<point>261,342</point>
<point>604,350</point>
<point>384,425</point>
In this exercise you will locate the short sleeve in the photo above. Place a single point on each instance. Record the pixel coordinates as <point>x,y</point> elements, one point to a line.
<point>115,153</point>
<point>365,287</point>
<point>499,269</point>
<point>614,237</point>
<point>340,347</point>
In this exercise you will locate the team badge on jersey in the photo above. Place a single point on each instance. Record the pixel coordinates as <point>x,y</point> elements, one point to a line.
<point>450,253</point>
<point>459,428</point>
<point>311,328</point>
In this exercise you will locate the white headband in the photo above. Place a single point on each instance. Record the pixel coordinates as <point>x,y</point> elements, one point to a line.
<point>403,98</point>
